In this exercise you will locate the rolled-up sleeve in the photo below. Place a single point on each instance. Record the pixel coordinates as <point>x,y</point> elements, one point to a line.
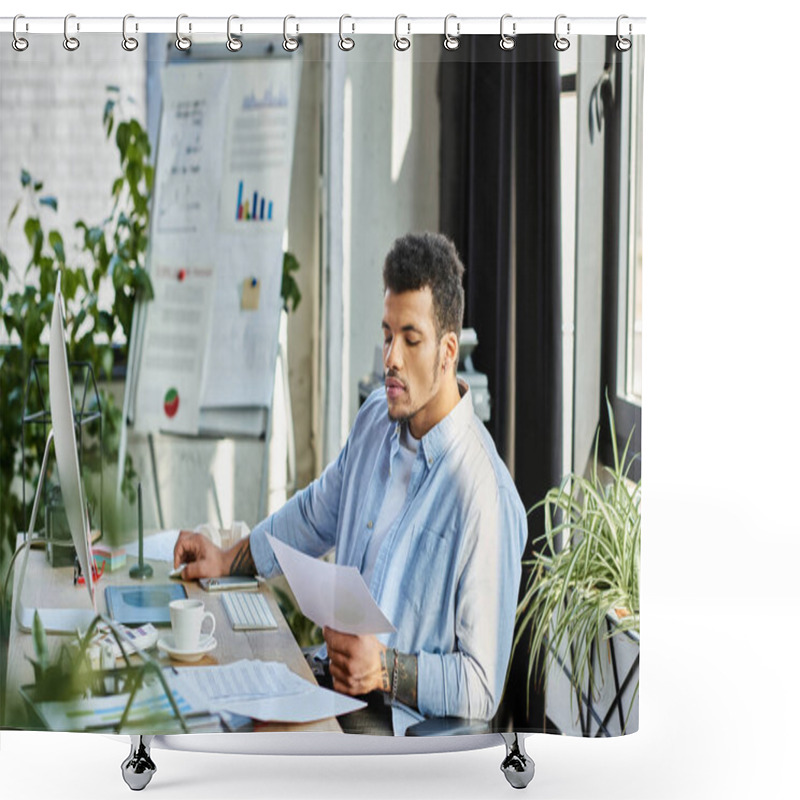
<point>468,682</point>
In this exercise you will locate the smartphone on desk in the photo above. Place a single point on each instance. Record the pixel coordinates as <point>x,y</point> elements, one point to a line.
<point>239,583</point>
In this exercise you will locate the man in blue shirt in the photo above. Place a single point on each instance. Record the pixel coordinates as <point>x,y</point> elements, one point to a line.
<point>420,502</point>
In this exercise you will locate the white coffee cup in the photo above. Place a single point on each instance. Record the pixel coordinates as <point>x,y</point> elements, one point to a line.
<point>187,617</point>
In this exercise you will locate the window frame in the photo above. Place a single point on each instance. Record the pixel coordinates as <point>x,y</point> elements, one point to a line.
<point>622,200</point>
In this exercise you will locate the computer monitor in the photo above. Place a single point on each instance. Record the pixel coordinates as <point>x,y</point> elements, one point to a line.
<point>63,620</point>
<point>69,472</point>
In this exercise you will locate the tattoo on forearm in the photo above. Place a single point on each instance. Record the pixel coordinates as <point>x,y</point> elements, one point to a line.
<point>243,563</point>
<point>387,660</point>
<point>406,682</point>
<point>407,679</point>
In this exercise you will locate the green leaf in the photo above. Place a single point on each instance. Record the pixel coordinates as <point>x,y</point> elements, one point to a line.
<point>112,88</point>
<point>32,227</point>
<point>40,642</point>
<point>94,236</point>
<point>49,201</point>
<point>57,243</point>
<point>14,211</point>
<point>122,139</point>
<point>116,267</point>
<point>5,267</point>
<point>25,177</point>
<point>108,111</point>
<point>106,323</point>
<point>143,284</point>
<point>38,186</point>
<point>107,361</point>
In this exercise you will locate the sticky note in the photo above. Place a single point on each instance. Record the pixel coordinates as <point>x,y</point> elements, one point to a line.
<point>251,289</point>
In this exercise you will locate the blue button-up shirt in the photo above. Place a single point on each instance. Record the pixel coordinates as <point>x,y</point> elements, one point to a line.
<point>447,574</point>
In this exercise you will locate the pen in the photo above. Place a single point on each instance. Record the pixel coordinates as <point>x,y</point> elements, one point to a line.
<point>176,573</point>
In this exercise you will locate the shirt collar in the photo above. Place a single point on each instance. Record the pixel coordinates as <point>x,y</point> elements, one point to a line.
<point>436,441</point>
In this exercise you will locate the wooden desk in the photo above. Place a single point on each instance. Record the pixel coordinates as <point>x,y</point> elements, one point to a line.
<point>47,587</point>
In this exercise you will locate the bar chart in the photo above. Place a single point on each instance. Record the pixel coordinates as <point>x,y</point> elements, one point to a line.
<point>256,207</point>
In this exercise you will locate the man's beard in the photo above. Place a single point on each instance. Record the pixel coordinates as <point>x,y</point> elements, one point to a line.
<point>404,419</point>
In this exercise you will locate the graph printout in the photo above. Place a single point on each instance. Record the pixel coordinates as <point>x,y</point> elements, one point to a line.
<point>262,107</point>
<point>173,350</point>
<point>226,143</point>
<point>191,133</point>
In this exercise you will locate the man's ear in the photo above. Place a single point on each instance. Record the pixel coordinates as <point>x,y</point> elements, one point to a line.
<point>450,360</point>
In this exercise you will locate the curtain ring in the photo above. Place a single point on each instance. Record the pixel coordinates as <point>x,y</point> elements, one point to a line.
<point>289,44</point>
<point>70,42</point>
<point>18,43</point>
<point>128,42</point>
<point>623,44</point>
<point>346,43</point>
<point>451,42</point>
<point>507,42</point>
<point>561,43</point>
<point>182,42</point>
<point>401,43</point>
<point>234,43</point>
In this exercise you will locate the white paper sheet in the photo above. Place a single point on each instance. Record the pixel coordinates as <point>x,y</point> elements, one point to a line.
<point>173,352</point>
<point>96,712</point>
<point>262,690</point>
<point>243,344</point>
<point>191,134</point>
<point>158,547</point>
<point>329,594</point>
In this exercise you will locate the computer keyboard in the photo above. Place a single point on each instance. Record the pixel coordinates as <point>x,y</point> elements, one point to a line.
<point>248,611</point>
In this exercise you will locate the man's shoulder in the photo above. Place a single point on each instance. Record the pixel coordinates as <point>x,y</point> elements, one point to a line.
<point>487,472</point>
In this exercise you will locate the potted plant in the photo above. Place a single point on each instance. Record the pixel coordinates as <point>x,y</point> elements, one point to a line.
<point>583,586</point>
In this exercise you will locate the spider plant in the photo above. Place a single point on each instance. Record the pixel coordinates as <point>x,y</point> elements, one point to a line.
<point>586,569</point>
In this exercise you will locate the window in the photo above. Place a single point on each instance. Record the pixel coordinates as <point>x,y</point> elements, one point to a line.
<point>622,323</point>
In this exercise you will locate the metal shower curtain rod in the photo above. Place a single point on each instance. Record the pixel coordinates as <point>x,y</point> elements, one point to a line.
<point>307,25</point>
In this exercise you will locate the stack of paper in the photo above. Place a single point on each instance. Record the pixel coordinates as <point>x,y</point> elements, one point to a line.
<point>262,690</point>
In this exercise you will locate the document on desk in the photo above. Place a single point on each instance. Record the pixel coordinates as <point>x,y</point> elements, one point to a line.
<point>158,547</point>
<point>330,594</point>
<point>264,690</point>
<point>105,712</point>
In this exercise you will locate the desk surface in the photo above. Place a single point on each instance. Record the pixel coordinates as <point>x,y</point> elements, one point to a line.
<point>48,587</point>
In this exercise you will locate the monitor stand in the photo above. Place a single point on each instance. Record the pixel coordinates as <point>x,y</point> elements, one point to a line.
<point>54,620</point>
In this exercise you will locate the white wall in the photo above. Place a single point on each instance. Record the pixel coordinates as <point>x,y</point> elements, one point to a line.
<point>385,132</point>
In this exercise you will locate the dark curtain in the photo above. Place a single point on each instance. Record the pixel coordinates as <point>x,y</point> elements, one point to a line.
<point>500,202</point>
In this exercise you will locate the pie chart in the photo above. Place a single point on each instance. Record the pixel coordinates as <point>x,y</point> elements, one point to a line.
<point>171,402</point>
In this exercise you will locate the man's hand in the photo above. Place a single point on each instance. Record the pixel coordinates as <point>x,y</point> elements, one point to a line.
<point>357,663</point>
<point>202,557</point>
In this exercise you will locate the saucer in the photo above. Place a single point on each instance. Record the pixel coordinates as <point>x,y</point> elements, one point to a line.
<point>167,644</point>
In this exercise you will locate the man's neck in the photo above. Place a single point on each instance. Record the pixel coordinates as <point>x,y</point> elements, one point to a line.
<point>436,409</point>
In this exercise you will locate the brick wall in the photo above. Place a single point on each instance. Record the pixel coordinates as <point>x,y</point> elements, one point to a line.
<point>51,107</point>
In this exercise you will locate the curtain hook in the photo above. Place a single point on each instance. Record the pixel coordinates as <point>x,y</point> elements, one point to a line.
<point>18,43</point>
<point>346,42</point>
<point>290,44</point>
<point>182,42</point>
<point>507,42</point>
<point>561,43</point>
<point>70,42</point>
<point>234,43</point>
<point>128,42</point>
<point>401,42</point>
<point>451,42</point>
<point>623,44</point>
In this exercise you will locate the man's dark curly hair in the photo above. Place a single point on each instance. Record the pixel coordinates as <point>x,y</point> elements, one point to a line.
<point>417,260</point>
